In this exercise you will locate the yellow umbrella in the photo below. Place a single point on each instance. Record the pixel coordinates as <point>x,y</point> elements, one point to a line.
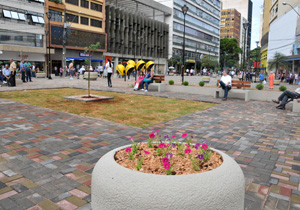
<point>140,65</point>
<point>149,64</point>
<point>131,62</point>
<point>129,68</point>
<point>120,69</point>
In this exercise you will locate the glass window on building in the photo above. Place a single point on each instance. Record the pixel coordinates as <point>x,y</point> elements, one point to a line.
<point>55,15</point>
<point>84,3</point>
<point>96,7</point>
<point>84,21</point>
<point>72,18</point>
<point>96,23</point>
<point>74,2</point>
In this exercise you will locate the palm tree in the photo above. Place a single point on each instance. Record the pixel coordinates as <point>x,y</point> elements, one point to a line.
<point>278,61</point>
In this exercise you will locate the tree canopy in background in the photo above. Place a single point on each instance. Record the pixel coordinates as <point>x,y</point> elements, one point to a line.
<point>229,52</point>
<point>209,62</point>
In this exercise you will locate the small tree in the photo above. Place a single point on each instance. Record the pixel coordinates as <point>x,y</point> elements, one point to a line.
<point>90,50</point>
<point>278,61</point>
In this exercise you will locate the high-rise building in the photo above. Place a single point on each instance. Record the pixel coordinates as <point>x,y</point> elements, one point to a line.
<point>202,29</point>
<point>231,24</point>
<point>265,34</point>
<point>76,24</point>
<point>22,33</point>
<point>245,8</point>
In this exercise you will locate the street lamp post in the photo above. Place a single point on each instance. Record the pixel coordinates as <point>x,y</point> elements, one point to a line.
<point>184,11</point>
<point>284,3</point>
<point>257,42</point>
<point>245,25</point>
<point>49,15</point>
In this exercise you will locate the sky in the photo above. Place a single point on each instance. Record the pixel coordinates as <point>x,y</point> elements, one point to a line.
<point>257,9</point>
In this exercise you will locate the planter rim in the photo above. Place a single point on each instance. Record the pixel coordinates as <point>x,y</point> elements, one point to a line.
<point>114,151</point>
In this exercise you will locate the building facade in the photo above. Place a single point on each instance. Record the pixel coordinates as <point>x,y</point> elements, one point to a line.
<point>202,31</point>
<point>22,34</point>
<point>137,32</point>
<point>231,24</point>
<point>76,24</point>
<point>245,8</point>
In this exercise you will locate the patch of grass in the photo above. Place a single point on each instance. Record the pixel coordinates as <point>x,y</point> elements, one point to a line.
<point>133,110</point>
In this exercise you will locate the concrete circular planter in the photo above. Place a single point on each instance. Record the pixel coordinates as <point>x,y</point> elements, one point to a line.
<point>206,79</point>
<point>276,82</point>
<point>93,75</point>
<point>115,187</point>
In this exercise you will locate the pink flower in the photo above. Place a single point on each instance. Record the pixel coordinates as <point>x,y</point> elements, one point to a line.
<point>187,151</point>
<point>161,145</point>
<point>146,152</point>
<point>152,136</point>
<point>167,145</point>
<point>204,146</point>
<point>130,138</point>
<point>173,136</point>
<point>128,149</point>
<point>167,165</point>
<point>165,160</point>
<point>188,146</point>
<point>184,135</point>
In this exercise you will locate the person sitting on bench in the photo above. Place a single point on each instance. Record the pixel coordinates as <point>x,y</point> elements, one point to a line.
<point>286,97</point>
<point>147,80</point>
<point>225,83</point>
<point>6,73</point>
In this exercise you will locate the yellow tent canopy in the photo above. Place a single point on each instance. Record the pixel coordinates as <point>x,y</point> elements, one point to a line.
<point>120,69</point>
<point>149,64</point>
<point>131,62</point>
<point>140,65</point>
<point>129,68</point>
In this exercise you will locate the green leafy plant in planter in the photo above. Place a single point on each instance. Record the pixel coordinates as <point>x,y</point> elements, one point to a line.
<point>157,81</point>
<point>185,83</point>
<point>259,87</point>
<point>201,83</point>
<point>171,82</point>
<point>282,88</point>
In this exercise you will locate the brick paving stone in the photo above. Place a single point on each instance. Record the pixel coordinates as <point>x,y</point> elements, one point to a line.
<point>8,203</point>
<point>255,137</point>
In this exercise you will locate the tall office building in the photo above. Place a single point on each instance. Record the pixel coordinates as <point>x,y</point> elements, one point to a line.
<point>265,34</point>
<point>245,8</point>
<point>231,24</point>
<point>202,29</point>
<point>22,33</point>
<point>76,24</point>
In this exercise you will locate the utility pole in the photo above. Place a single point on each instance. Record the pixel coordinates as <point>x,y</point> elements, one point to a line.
<point>64,44</point>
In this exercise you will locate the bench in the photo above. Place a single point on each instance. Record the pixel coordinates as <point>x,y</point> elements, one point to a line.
<point>236,92</point>
<point>157,86</point>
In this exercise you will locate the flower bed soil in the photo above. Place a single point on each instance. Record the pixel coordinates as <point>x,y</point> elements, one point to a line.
<point>181,165</point>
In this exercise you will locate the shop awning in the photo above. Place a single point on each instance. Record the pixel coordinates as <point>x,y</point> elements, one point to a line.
<point>293,59</point>
<point>82,59</point>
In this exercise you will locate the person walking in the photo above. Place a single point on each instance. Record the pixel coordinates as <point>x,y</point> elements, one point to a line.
<point>61,71</point>
<point>27,65</point>
<point>261,77</point>
<point>109,67</point>
<point>271,80</point>
<point>22,70</point>
<point>12,69</point>
<point>71,69</point>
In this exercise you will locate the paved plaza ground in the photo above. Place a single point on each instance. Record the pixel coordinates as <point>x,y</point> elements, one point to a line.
<point>47,157</point>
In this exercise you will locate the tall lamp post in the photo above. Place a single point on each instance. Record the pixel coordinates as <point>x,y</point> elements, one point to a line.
<point>49,15</point>
<point>257,42</point>
<point>284,3</point>
<point>245,25</point>
<point>184,11</point>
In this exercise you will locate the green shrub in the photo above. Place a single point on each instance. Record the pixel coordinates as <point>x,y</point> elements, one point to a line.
<point>201,83</point>
<point>171,82</point>
<point>157,81</point>
<point>185,83</point>
<point>282,88</point>
<point>259,87</point>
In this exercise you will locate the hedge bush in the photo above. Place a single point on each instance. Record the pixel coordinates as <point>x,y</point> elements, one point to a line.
<point>259,86</point>
<point>185,83</point>
<point>201,83</point>
<point>171,82</point>
<point>282,88</point>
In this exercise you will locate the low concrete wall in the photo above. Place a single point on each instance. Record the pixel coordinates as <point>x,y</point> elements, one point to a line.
<point>296,106</point>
